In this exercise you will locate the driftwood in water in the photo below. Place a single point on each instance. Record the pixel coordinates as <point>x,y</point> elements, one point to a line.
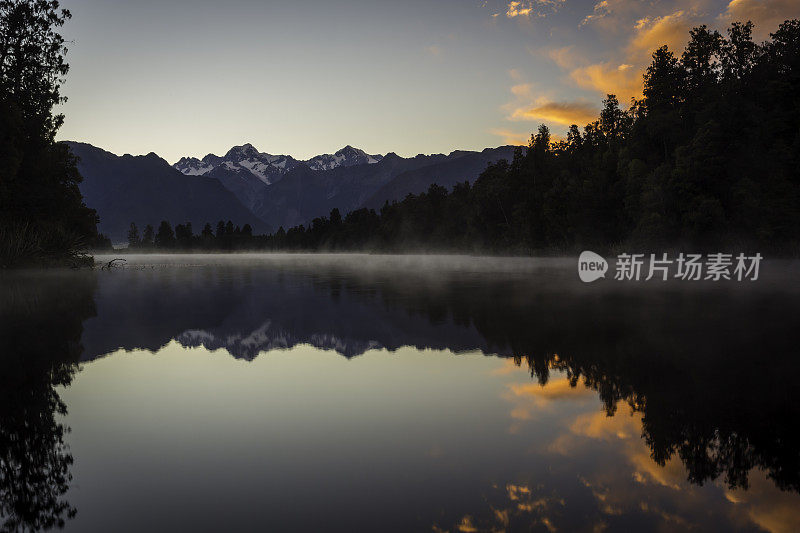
<point>112,264</point>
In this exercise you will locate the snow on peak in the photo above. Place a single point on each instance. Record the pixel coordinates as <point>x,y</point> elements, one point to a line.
<point>245,151</point>
<point>269,168</point>
<point>244,158</point>
<point>346,157</point>
<point>191,166</point>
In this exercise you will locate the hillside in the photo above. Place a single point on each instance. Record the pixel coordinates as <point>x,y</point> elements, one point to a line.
<point>147,190</point>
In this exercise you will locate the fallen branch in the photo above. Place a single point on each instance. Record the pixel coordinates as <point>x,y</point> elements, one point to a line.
<point>112,264</point>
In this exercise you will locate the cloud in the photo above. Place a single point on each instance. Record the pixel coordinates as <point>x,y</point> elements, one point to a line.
<point>653,32</point>
<point>601,9</point>
<point>613,60</point>
<point>598,425</point>
<point>639,28</point>
<point>566,113</point>
<point>511,137</point>
<point>613,15</point>
<point>556,389</point>
<point>467,525</point>
<point>621,79</point>
<point>766,15</point>
<point>624,431</point>
<point>529,398</point>
<point>528,8</point>
<point>563,57</point>
<point>622,76</point>
<point>527,105</point>
<point>520,501</point>
<point>518,9</point>
<point>626,479</point>
<point>766,505</point>
<point>643,27</point>
<point>508,366</point>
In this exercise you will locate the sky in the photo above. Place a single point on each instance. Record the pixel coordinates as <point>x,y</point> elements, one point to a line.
<point>305,77</point>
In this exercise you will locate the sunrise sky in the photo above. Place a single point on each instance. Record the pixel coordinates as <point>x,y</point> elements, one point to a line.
<point>308,77</point>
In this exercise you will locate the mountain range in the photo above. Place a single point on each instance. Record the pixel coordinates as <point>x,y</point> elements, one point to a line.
<point>257,188</point>
<point>247,172</point>
<point>146,190</point>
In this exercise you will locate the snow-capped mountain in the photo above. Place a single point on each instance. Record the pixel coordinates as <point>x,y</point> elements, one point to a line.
<point>243,170</point>
<point>267,168</point>
<point>346,157</point>
<point>270,168</point>
<point>283,191</point>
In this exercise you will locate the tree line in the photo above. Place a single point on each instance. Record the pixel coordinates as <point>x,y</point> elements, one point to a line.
<point>225,236</point>
<point>708,158</point>
<point>43,219</point>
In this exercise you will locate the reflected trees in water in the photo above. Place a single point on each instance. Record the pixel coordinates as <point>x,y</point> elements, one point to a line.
<point>40,346</point>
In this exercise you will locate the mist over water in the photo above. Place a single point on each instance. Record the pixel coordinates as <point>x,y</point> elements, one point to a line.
<point>349,392</point>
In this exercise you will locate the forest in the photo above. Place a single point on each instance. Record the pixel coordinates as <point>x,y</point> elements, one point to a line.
<point>43,219</point>
<point>708,158</point>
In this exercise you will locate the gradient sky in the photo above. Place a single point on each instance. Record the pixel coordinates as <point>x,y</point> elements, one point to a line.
<point>307,77</point>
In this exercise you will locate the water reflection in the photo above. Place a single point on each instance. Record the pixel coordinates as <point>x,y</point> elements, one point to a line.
<point>40,345</point>
<point>697,383</point>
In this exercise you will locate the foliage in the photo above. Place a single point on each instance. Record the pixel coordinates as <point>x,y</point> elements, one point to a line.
<point>41,317</point>
<point>30,244</point>
<point>38,177</point>
<point>709,158</point>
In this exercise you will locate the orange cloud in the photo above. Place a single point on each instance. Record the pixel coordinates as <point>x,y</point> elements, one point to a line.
<point>527,8</point>
<point>626,431</point>
<point>766,15</point>
<point>566,113</point>
<point>612,15</point>
<point>518,9</point>
<point>598,425</point>
<point>653,32</point>
<point>511,137</point>
<point>556,389</point>
<point>621,79</point>
<point>766,505</point>
<point>645,31</point>
<point>600,10</point>
<point>529,399</point>
<point>467,525</point>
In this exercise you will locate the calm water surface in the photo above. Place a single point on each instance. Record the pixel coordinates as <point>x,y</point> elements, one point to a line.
<point>369,393</point>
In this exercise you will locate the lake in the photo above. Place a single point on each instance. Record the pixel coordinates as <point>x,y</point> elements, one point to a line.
<point>396,393</point>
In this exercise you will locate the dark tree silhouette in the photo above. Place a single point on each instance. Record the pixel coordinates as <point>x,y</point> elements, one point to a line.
<point>165,238</point>
<point>36,462</point>
<point>148,237</point>
<point>707,159</point>
<point>134,241</point>
<point>41,209</point>
<point>183,235</point>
